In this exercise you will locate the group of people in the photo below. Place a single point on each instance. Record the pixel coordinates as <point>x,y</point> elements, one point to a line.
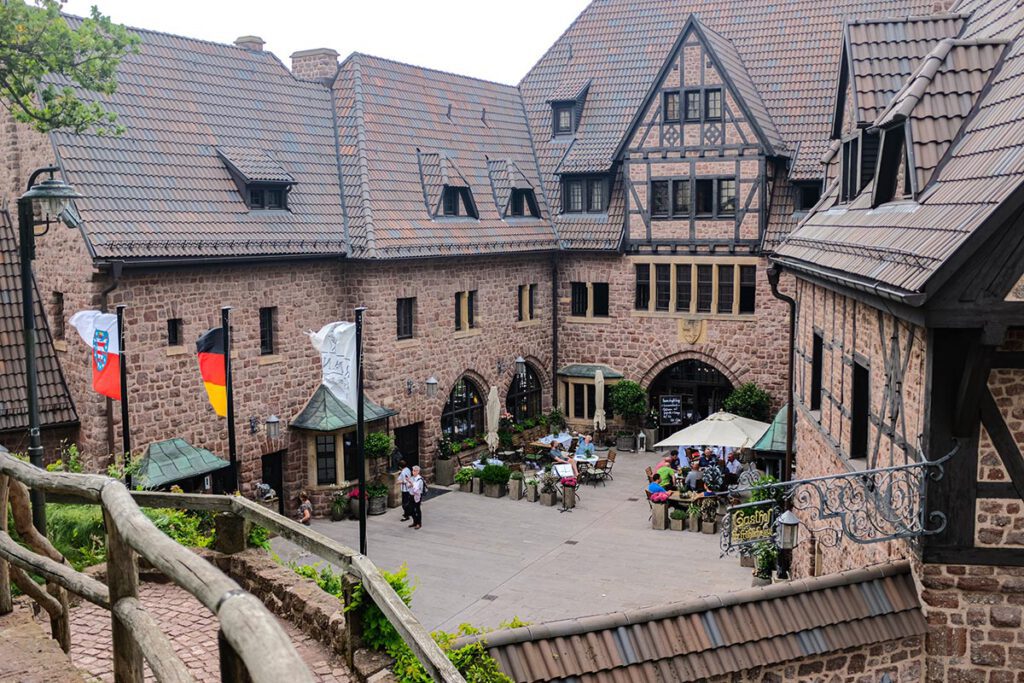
<point>695,461</point>
<point>584,447</point>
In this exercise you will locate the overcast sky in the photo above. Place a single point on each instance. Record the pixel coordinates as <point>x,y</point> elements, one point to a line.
<point>498,41</point>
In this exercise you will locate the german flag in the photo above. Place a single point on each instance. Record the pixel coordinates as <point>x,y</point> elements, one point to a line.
<point>210,348</point>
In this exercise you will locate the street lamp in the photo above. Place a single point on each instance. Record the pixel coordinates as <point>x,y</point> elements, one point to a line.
<point>431,387</point>
<point>788,536</point>
<point>51,196</point>
<point>273,424</point>
<point>521,367</point>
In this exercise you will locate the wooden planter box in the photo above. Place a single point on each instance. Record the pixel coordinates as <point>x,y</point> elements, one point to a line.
<point>549,499</point>
<point>494,490</point>
<point>532,494</point>
<point>708,527</point>
<point>515,489</point>
<point>625,443</point>
<point>478,485</point>
<point>693,524</point>
<point>444,472</point>
<point>676,524</point>
<point>568,497</point>
<point>377,505</point>
<point>466,487</point>
<point>659,520</point>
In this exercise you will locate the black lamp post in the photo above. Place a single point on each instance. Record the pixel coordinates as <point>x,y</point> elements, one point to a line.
<point>52,196</point>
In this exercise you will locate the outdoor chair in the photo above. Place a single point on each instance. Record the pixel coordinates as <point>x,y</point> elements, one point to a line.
<point>586,474</point>
<point>649,472</point>
<point>598,473</point>
<point>611,463</point>
<point>649,504</point>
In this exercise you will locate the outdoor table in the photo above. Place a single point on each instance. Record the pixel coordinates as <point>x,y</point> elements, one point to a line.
<point>681,498</point>
<point>490,461</point>
<point>564,440</point>
<point>586,459</point>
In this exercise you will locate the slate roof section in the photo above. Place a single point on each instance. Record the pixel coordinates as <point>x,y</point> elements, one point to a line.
<point>392,116</point>
<point>505,176</point>
<point>790,50</point>
<point>883,53</point>
<point>166,462</point>
<point>324,412</point>
<point>588,370</point>
<point>255,165</point>
<point>162,191</point>
<point>899,249</point>
<point>55,404</point>
<point>717,635</point>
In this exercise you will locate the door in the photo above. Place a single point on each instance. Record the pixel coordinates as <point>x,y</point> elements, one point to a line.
<point>407,441</point>
<point>273,474</point>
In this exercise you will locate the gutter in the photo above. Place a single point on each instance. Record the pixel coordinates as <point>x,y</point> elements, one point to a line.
<point>115,272</point>
<point>774,276</point>
<point>879,289</point>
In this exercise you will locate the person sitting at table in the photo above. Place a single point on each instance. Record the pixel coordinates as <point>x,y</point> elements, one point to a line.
<point>585,447</point>
<point>694,478</point>
<point>683,457</point>
<point>654,486</point>
<point>733,468</point>
<point>666,477</point>
<point>565,459</point>
<point>708,458</point>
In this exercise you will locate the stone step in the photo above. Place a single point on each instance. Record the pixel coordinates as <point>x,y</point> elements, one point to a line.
<point>29,655</point>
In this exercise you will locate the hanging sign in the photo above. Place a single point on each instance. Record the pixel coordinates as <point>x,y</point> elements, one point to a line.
<point>748,524</point>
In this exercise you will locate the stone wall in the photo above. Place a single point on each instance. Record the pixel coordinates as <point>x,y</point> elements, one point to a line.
<point>902,660</point>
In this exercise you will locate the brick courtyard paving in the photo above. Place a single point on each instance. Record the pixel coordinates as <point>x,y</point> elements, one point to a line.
<point>193,631</point>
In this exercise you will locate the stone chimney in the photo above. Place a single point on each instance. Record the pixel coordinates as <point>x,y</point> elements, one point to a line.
<point>319,64</point>
<point>250,43</point>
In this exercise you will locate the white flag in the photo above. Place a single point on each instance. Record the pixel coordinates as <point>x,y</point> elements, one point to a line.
<point>336,343</point>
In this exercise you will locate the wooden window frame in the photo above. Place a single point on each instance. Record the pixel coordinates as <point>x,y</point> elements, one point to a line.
<point>642,288</point>
<point>526,303</point>
<point>685,111</point>
<point>567,393</point>
<point>683,277</point>
<point>557,109</point>
<point>268,330</point>
<point>590,291</point>
<point>257,196</point>
<point>175,332</point>
<point>465,310</point>
<point>587,185</point>
<point>676,212</point>
<point>666,97</point>
<point>523,203</point>
<point>405,319</point>
<point>332,440</point>
<point>708,92</point>
<point>667,184</point>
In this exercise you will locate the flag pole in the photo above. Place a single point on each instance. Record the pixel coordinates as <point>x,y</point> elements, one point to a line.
<point>126,430</point>
<point>359,429</point>
<point>232,453</point>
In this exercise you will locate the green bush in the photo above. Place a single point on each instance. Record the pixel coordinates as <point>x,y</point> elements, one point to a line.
<point>324,577</point>
<point>766,556</point>
<point>376,490</point>
<point>516,475</point>
<point>378,632</point>
<point>749,400</point>
<point>677,513</point>
<point>464,475</point>
<point>496,474</point>
<point>629,400</point>
<point>378,445</point>
<point>259,537</point>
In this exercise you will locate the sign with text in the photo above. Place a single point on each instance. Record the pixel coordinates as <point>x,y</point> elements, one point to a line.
<point>749,523</point>
<point>671,408</point>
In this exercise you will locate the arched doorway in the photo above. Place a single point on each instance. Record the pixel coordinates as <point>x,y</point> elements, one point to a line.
<point>463,415</point>
<point>524,395</point>
<point>687,392</point>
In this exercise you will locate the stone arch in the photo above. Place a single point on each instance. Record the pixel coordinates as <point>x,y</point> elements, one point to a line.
<point>538,370</point>
<point>695,354</point>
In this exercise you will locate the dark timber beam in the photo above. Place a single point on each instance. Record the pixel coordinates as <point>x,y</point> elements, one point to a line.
<point>1003,440</point>
<point>973,382</point>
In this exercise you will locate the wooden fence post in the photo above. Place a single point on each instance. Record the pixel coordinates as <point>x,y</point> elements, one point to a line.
<point>231,533</point>
<point>123,582</point>
<point>6,604</point>
<point>232,668</point>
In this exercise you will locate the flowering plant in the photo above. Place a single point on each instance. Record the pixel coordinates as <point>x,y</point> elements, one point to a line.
<point>353,492</point>
<point>659,497</point>
<point>568,481</point>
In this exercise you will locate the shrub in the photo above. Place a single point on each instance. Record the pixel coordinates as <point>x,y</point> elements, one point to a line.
<point>556,420</point>
<point>324,577</point>
<point>749,400</point>
<point>677,513</point>
<point>376,490</point>
<point>464,475</point>
<point>378,445</point>
<point>259,537</point>
<point>628,400</point>
<point>496,474</point>
<point>516,475</point>
<point>766,556</point>
<point>444,448</point>
<point>378,632</point>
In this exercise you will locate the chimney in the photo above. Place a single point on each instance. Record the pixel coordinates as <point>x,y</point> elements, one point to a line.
<point>318,64</point>
<point>250,43</point>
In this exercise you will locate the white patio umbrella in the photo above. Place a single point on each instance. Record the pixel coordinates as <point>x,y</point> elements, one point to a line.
<point>599,422</point>
<point>493,415</point>
<point>720,429</point>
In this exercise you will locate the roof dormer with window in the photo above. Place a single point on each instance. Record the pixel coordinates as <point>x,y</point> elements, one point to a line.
<point>567,106</point>
<point>262,182</point>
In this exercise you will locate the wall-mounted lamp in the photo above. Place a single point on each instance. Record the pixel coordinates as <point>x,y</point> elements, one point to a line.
<point>431,387</point>
<point>521,367</point>
<point>272,425</point>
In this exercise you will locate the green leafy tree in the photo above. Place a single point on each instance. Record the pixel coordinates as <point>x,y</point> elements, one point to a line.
<point>629,400</point>
<point>749,400</point>
<point>47,61</point>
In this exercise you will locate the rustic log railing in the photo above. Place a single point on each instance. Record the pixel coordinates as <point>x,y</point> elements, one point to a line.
<point>253,645</point>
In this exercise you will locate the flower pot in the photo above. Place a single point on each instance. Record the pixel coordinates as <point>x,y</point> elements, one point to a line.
<point>377,505</point>
<point>693,524</point>
<point>757,581</point>
<point>531,494</point>
<point>338,511</point>
<point>708,527</point>
<point>625,443</point>
<point>676,524</point>
<point>568,497</point>
<point>466,486</point>
<point>478,485</point>
<point>549,499</point>
<point>515,489</point>
<point>353,508</point>
<point>659,520</point>
<point>747,561</point>
<point>444,472</point>
<point>494,490</point>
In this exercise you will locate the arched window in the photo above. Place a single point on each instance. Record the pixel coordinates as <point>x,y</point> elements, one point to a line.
<point>463,414</point>
<point>524,395</point>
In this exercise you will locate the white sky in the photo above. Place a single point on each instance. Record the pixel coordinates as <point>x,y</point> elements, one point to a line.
<point>498,41</point>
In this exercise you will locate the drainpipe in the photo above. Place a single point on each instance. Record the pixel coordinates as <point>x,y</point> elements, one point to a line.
<point>554,331</point>
<point>774,275</point>
<point>104,299</point>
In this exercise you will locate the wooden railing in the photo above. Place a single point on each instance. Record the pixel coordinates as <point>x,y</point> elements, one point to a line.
<point>252,643</point>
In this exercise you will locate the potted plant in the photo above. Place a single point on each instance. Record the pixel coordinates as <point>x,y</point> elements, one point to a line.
<point>377,497</point>
<point>659,511</point>
<point>548,489</point>
<point>693,518</point>
<point>478,484</point>
<point>628,399</point>
<point>625,440</point>
<point>495,479</point>
<point>766,556</point>
<point>353,502</point>
<point>464,478</point>
<point>339,506</point>
<point>651,423</point>
<point>515,486</point>
<point>532,490</point>
<point>556,421</point>
<point>676,518</point>
<point>749,400</point>
<point>709,515</point>
<point>568,492</point>
<point>444,468</point>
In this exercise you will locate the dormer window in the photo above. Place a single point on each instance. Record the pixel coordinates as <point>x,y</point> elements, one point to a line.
<point>458,201</point>
<point>523,202</point>
<point>848,186</point>
<point>585,194</point>
<point>269,197</point>
<point>807,195</point>
<point>701,104</point>
<point>262,181</point>
<point>562,118</point>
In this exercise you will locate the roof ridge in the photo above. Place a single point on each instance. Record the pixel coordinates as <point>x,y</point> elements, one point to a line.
<point>361,157</point>
<point>444,72</point>
<point>557,41</point>
<point>916,18</point>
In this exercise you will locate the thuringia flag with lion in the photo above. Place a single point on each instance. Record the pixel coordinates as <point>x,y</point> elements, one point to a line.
<point>99,332</point>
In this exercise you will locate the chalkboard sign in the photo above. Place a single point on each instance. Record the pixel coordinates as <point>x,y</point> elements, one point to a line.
<point>671,410</point>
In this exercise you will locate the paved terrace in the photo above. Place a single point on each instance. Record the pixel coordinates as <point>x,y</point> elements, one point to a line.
<point>483,561</point>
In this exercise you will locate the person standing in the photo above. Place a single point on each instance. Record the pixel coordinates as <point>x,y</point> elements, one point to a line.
<point>403,480</point>
<point>305,509</point>
<point>416,487</point>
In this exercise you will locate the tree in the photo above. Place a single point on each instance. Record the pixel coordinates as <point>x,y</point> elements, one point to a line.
<point>629,400</point>
<point>749,400</point>
<point>47,63</point>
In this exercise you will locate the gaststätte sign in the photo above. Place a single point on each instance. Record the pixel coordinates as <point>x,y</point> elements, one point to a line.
<point>748,524</point>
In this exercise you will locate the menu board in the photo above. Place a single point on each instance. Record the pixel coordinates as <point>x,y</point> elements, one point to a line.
<point>671,408</point>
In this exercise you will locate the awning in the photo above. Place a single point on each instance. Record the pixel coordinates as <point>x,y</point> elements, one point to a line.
<point>326,413</point>
<point>774,440</point>
<point>588,371</point>
<point>166,462</point>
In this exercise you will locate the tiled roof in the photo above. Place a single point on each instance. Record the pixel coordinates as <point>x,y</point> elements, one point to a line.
<point>790,49</point>
<point>392,118</point>
<point>166,462</point>
<point>505,176</point>
<point>55,405</point>
<point>904,245</point>
<point>717,635</point>
<point>255,165</point>
<point>588,370</point>
<point>161,189</point>
<point>882,53</point>
<point>325,413</point>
